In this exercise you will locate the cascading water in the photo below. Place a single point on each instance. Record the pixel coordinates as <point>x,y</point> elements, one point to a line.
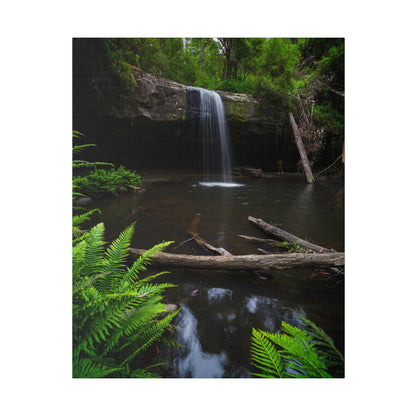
<point>207,106</point>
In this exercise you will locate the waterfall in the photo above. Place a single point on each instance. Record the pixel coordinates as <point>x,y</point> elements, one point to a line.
<point>207,107</point>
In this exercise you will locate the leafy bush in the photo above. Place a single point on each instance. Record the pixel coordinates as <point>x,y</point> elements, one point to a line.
<point>300,355</point>
<point>116,316</point>
<point>247,86</point>
<point>101,182</point>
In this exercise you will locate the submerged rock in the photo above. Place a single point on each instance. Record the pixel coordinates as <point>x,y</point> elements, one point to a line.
<point>84,200</point>
<point>171,307</point>
<point>248,171</point>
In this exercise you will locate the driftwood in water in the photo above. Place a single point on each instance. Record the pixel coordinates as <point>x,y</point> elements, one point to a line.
<point>247,262</point>
<point>194,232</point>
<point>268,242</point>
<point>301,149</point>
<point>285,236</point>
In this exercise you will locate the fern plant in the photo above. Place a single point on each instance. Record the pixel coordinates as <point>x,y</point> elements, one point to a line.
<point>101,182</point>
<point>300,354</point>
<point>76,180</point>
<point>116,315</point>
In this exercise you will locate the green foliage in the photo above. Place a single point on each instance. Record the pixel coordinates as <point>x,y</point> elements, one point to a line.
<point>295,353</point>
<point>116,315</point>
<point>79,234</point>
<point>294,247</point>
<point>320,89</point>
<point>101,182</point>
<point>279,63</point>
<point>76,164</point>
<point>246,86</point>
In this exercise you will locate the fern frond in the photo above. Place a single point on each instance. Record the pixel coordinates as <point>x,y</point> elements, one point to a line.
<point>131,277</point>
<point>79,148</point>
<point>85,164</point>
<point>117,253</point>
<point>87,368</point>
<point>78,258</point>
<point>140,265</point>
<point>79,219</point>
<point>266,357</point>
<point>77,134</point>
<point>145,258</point>
<point>140,373</point>
<point>322,339</point>
<point>134,324</point>
<point>150,335</point>
<point>300,352</point>
<point>94,250</point>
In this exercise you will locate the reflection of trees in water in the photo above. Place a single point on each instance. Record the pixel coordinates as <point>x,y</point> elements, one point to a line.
<point>303,206</point>
<point>317,214</point>
<point>216,205</point>
<point>270,313</point>
<point>218,294</point>
<point>196,363</point>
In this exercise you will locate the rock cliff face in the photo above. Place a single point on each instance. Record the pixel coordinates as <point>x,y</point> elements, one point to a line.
<point>160,99</point>
<point>242,107</point>
<point>157,98</point>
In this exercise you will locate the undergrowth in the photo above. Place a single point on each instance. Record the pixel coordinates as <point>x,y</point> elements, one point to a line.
<point>101,182</point>
<point>295,353</point>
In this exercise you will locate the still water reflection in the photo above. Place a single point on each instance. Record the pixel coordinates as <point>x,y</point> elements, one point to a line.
<point>195,362</point>
<point>214,327</point>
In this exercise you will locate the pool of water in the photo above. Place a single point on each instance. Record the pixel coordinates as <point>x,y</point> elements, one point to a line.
<point>218,308</point>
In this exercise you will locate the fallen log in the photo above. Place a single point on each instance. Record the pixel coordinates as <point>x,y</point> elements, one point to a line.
<point>245,262</point>
<point>194,233</point>
<point>285,236</point>
<point>268,242</point>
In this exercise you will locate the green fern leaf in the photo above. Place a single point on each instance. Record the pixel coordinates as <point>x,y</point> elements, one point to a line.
<point>265,356</point>
<point>116,254</point>
<point>299,351</point>
<point>151,334</point>
<point>78,148</point>
<point>94,250</point>
<point>77,134</point>
<point>79,219</point>
<point>322,339</point>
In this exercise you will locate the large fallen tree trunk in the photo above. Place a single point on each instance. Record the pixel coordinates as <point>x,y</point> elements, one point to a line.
<point>247,262</point>
<point>285,236</point>
<point>301,149</point>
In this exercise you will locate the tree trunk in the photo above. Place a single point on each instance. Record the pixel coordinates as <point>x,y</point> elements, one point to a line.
<point>202,54</point>
<point>301,149</point>
<point>343,152</point>
<point>247,262</point>
<point>285,236</point>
